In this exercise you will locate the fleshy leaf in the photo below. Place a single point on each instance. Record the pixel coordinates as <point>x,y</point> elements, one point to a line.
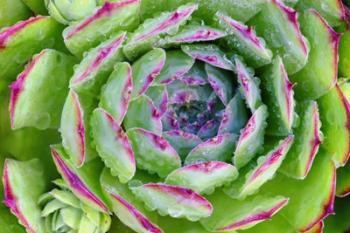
<point>146,69</point>
<point>112,17</point>
<point>37,6</point>
<point>343,181</point>
<point>148,33</point>
<point>279,95</point>
<point>116,93</point>
<point>219,148</point>
<point>113,145</point>
<point>332,10</point>
<point>66,12</point>
<point>176,225</point>
<point>75,128</point>
<point>160,97</point>
<point>321,70</point>
<point>207,8</point>
<point>193,33</point>
<point>181,141</point>
<point>264,171</point>
<point>278,24</point>
<point>344,51</point>
<point>251,139</point>
<point>230,214</point>
<point>153,153</point>
<point>195,76</point>
<point>38,94</point>
<point>128,209</point>
<point>234,116</point>
<point>143,114</point>
<point>318,190</point>
<point>180,93</point>
<point>12,11</point>
<point>169,200</point>
<point>97,64</point>
<point>335,118</point>
<point>308,138</point>
<point>244,40</point>
<point>249,86</point>
<point>177,64</point>
<point>21,41</point>
<point>84,181</point>
<point>208,53</point>
<point>221,81</point>
<point>21,191</point>
<point>203,177</point>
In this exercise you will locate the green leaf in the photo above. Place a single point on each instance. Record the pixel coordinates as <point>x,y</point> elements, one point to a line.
<point>335,118</point>
<point>218,148</point>
<point>84,181</point>
<point>230,214</point>
<point>344,51</point>
<point>279,25</point>
<point>249,85</point>
<point>320,72</point>
<point>97,65</point>
<point>208,53</point>
<point>116,93</point>
<point>234,116</point>
<point>21,191</point>
<point>37,6</point>
<point>177,64</point>
<point>128,209</point>
<point>251,180</point>
<point>12,11</point>
<point>153,153</point>
<point>109,19</point>
<point>332,10</point>
<point>244,40</point>
<point>143,114</point>
<point>343,181</point>
<point>146,69</point>
<point>151,30</point>
<point>279,95</point>
<point>168,200</point>
<point>75,128</point>
<point>221,81</point>
<point>203,177</point>
<point>38,94</point>
<point>21,41</point>
<point>113,146</point>
<point>251,139</point>
<point>310,200</point>
<point>308,138</point>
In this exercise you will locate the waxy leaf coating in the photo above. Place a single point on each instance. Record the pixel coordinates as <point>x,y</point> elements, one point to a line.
<point>38,94</point>
<point>116,93</point>
<point>110,18</point>
<point>152,152</point>
<point>203,177</point>
<point>168,200</point>
<point>112,144</point>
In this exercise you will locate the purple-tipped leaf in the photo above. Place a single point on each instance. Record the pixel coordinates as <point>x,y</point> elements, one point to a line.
<point>152,152</point>
<point>143,114</point>
<point>113,145</point>
<point>176,201</point>
<point>218,148</point>
<point>210,54</point>
<point>146,69</point>
<point>203,177</point>
<point>116,94</point>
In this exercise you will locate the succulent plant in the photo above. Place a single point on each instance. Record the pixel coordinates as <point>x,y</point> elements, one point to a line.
<point>177,116</point>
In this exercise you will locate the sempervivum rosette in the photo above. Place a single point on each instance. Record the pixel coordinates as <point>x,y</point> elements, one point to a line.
<point>180,116</point>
